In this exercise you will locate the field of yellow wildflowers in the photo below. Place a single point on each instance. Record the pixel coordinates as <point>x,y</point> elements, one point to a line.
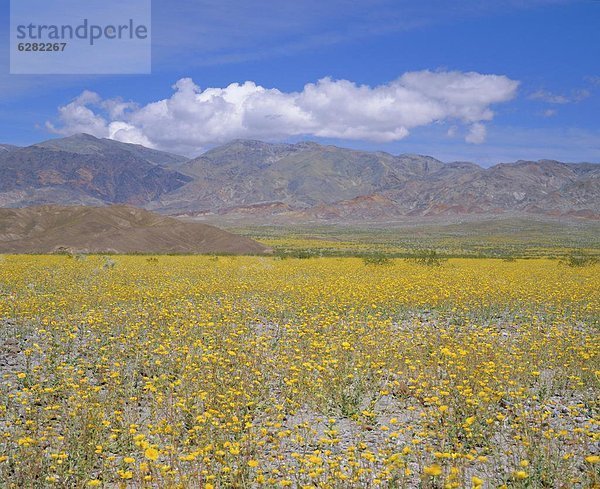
<point>206,372</point>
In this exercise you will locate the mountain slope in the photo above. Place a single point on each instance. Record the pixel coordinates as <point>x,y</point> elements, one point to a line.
<point>118,229</point>
<point>301,175</point>
<point>311,181</point>
<point>544,187</point>
<point>87,171</point>
<point>85,144</point>
<point>7,147</point>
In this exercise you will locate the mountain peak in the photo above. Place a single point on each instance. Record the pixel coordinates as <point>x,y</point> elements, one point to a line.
<point>86,144</point>
<point>308,145</point>
<point>81,143</point>
<point>248,143</point>
<point>7,147</point>
<point>83,136</point>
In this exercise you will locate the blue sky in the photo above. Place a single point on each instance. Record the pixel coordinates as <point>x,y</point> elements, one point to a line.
<point>391,70</point>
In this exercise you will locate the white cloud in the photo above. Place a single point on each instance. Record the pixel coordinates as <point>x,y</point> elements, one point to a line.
<point>79,117</point>
<point>554,98</point>
<point>452,131</point>
<point>594,80</point>
<point>476,134</point>
<point>549,113</point>
<point>192,118</point>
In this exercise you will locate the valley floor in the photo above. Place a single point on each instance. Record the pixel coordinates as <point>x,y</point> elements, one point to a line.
<point>498,236</point>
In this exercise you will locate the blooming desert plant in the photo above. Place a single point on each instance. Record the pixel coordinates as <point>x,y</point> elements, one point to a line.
<point>258,372</point>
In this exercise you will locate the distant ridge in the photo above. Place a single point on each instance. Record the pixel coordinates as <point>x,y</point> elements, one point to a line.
<point>88,144</point>
<point>114,229</point>
<point>306,181</point>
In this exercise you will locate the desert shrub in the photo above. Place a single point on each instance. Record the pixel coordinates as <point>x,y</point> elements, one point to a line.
<point>579,258</point>
<point>376,259</point>
<point>301,254</point>
<point>429,258</point>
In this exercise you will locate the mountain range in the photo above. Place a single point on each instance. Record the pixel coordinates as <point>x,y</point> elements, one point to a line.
<point>303,181</point>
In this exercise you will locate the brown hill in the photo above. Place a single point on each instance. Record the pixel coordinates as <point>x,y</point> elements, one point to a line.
<point>116,229</point>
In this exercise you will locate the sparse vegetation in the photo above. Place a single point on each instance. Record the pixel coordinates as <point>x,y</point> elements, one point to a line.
<point>376,259</point>
<point>300,254</point>
<point>580,258</point>
<point>257,372</point>
<point>428,258</point>
<point>494,238</point>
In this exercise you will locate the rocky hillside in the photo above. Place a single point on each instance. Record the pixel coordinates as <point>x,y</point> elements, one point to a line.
<point>85,170</point>
<point>7,147</point>
<point>542,187</point>
<point>245,173</point>
<point>308,180</point>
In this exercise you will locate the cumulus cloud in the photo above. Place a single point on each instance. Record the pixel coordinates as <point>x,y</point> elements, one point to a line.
<point>79,117</point>
<point>192,118</point>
